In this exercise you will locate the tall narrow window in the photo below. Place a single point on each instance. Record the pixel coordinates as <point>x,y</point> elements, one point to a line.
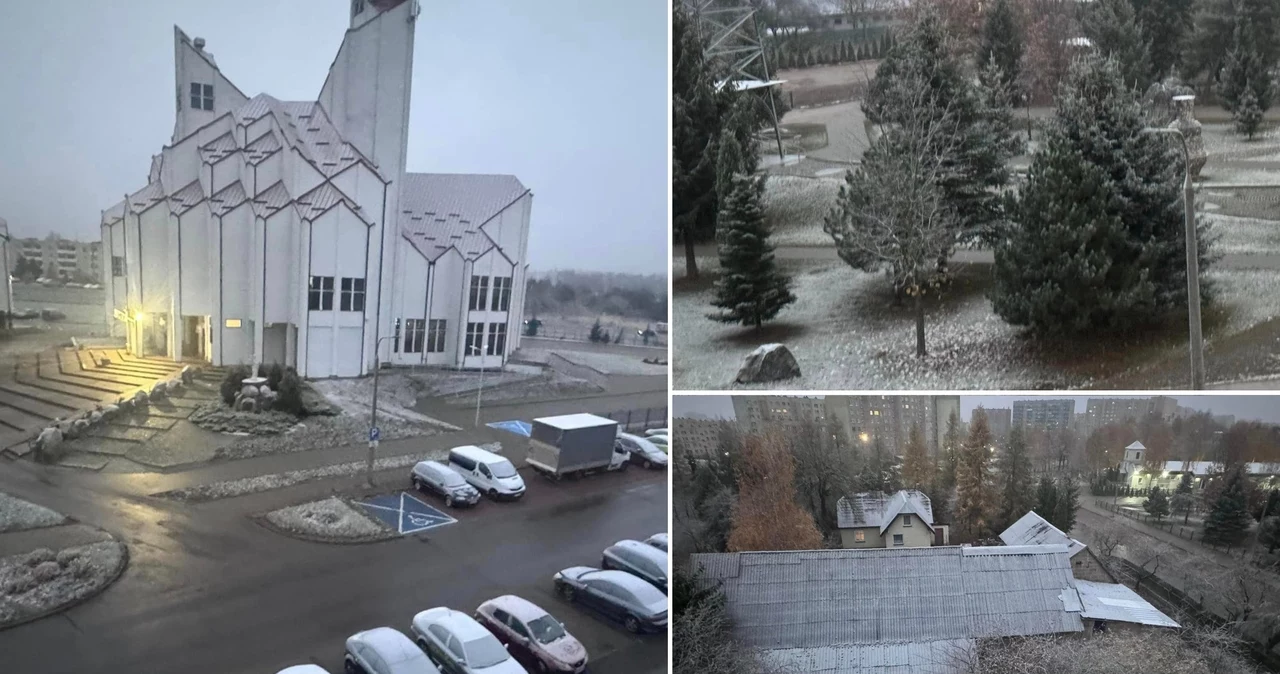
<point>475,338</point>
<point>117,265</point>
<point>320,294</point>
<point>352,295</point>
<point>414,333</point>
<point>435,335</point>
<point>501,293</point>
<point>479,292</point>
<point>201,96</point>
<point>497,339</point>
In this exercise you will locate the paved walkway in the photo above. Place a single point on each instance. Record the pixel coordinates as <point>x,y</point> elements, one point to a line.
<point>53,538</point>
<point>1222,558</point>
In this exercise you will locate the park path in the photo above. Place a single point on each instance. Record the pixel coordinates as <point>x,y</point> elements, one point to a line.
<point>1222,558</point>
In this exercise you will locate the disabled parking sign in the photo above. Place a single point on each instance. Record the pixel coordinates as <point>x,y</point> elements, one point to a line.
<point>405,514</point>
<point>515,426</point>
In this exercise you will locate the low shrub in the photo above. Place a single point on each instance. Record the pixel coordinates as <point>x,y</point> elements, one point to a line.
<point>233,382</point>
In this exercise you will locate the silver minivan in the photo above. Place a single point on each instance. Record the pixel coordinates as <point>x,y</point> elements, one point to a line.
<point>491,474</point>
<point>438,478</point>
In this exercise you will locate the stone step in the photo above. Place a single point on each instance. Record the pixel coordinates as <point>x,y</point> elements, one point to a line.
<point>51,398</point>
<point>15,442</point>
<point>86,359</point>
<point>18,420</point>
<point>33,407</point>
<point>90,394</point>
<point>71,367</point>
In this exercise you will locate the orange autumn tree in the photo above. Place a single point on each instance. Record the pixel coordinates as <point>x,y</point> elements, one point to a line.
<point>767,516</point>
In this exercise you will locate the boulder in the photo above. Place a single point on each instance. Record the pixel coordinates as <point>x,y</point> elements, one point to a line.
<point>46,444</point>
<point>249,391</point>
<point>109,411</point>
<point>188,375</point>
<point>159,392</point>
<point>247,404</point>
<point>140,399</point>
<point>125,405</point>
<point>95,416</point>
<point>769,362</point>
<point>80,427</point>
<point>173,385</point>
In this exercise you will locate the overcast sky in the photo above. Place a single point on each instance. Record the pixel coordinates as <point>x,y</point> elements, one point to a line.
<point>1244,407</point>
<point>568,95</point>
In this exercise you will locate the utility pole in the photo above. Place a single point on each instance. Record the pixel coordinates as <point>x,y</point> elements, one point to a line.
<point>374,434</point>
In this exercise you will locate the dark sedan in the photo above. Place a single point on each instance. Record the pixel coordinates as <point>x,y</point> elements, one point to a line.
<point>617,595</point>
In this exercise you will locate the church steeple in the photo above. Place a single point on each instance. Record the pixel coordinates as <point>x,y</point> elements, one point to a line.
<point>202,93</point>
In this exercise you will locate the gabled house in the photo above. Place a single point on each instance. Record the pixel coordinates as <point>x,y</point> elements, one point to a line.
<point>1032,529</point>
<point>903,519</point>
<point>292,232</point>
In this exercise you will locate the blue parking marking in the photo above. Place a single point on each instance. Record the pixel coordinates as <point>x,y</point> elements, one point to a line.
<point>406,514</point>
<point>515,426</point>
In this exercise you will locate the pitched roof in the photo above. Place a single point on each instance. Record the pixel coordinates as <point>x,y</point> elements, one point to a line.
<point>924,657</point>
<point>877,509</point>
<point>1136,445</point>
<point>1032,529</point>
<point>1109,601</point>
<point>184,199</point>
<point>323,197</point>
<point>227,199</point>
<point>443,211</point>
<point>863,596</point>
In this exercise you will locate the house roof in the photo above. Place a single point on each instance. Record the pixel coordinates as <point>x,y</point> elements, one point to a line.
<point>1136,445</point>
<point>444,211</point>
<point>1109,601</point>
<point>1032,529</point>
<point>924,657</point>
<point>1213,467</point>
<point>877,509</point>
<point>820,598</point>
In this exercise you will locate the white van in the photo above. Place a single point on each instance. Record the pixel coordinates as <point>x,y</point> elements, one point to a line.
<point>486,471</point>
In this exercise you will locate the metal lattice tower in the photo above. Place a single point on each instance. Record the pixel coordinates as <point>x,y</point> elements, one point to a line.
<point>731,33</point>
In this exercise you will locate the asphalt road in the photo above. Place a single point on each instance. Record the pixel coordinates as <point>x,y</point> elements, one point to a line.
<point>210,591</point>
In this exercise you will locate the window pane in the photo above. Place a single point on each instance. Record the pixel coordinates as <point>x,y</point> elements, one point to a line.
<point>208,91</point>
<point>327,282</point>
<point>357,284</point>
<point>346,285</point>
<point>357,302</point>
<point>195,89</point>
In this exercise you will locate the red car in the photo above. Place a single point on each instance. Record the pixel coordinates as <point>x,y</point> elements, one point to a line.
<point>532,635</point>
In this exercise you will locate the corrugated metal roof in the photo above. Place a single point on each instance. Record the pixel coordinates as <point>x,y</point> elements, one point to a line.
<point>146,197</point>
<point>877,509</point>
<point>217,149</point>
<point>928,657</point>
<point>184,199</point>
<point>836,597</point>
<point>271,200</point>
<point>325,195</point>
<point>262,147</point>
<point>1032,529</point>
<point>1109,601</point>
<point>440,211</point>
<point>227,199</point>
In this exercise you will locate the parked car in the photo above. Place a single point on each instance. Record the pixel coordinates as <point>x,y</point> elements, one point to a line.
<point>661,442</point>
<point>491,474</point>
<point>304,669</point>
<point>438,478</point>
<point>658,541</point>
<point>458,644</point>
<point>383,650</point>
<point>637,559</point>
<point>532,634</point>
<point>656,431</point>
<point>639,606</point>
<point>642,451</point>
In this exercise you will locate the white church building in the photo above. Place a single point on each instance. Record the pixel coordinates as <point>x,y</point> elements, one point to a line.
<point>289,231</point>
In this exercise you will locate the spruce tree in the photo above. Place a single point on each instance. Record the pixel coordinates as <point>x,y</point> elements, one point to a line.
<point>1064,515</point>
<point>1166,25</point>
<point>1014,470</point>
<point>751,288</point>
<point>729,163</point>
<point>1248,114</point>
<point>1183,500</point>
<point>1113,28</point>
<point>916,470</point>
<point>1156,504</point>
<point>597,332</point>
<point>695,128</point>
<point>1002,41</point>
<point>1096,238</point>
<point>1046,499</point>
<point>1214,33</point>
<point>973,480</point>
<point>1228,521</point>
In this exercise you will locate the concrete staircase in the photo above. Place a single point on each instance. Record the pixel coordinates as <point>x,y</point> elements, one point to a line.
<point>58,383</point>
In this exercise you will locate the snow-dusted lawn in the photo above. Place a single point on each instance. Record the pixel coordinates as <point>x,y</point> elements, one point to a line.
<point>845,334</point>
<point>42,580</point>
<point>329,518</point>
<point>1245,235</point>
<point>553,384</point>
<point>19,515</point>
<point>397,393</point>
<point>794,208</point>
<point>614,363</point>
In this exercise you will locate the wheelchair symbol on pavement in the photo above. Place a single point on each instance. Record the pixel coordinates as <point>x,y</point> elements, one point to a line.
<point>405,514</point>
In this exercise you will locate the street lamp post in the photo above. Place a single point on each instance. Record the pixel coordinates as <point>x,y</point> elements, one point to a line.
<point>373,414</point>
<point>477,351</point>
<point>1193,263</point>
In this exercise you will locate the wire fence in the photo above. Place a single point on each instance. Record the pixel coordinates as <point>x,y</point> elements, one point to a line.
<point>628,339</point>
<point>649,417</point>
<point>1193,534</point>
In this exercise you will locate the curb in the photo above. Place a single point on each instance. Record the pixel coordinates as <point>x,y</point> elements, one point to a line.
<point>261,520</point>
<point>124,564</point>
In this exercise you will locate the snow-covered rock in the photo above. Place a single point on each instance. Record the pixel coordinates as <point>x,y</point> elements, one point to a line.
<point>329,518</point>
<point>769,362</point>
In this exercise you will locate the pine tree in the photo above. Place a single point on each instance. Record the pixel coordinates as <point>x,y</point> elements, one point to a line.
<point>1156,504</point>
<point>1244,70</point>
<point>729,163</point>
<point>751,288</point>
<point>1166,25</point>
<point>1183,500</point>
<point>1113,28</point>
<point>1214,33</point>
<point>1228,521</point>
<point>1046,499</point>
<point>1248,114</point>
<point>1096,241</point>
<point>1014,470</point>
<point>597,332</point>
<point>1002,41</point>
<point>1064,515</point>
<point>950,453</point>
<point>973,480</point>
<point>916,469</point>
<point>695,128</point>
<point>1269,533</point>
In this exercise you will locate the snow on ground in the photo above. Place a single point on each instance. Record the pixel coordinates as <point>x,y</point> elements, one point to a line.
<point>261,483</point>
<point>42,580</point>
<point>453,382</point>
<point>322,432</point>
<point>396,394</point>
<point>327,518</point>
<point>845,334</point>
<point>610,363</point>
<point>551,385</point>
<point>19,515</point>
<point>794,208</point>
<point>1245,235</point>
